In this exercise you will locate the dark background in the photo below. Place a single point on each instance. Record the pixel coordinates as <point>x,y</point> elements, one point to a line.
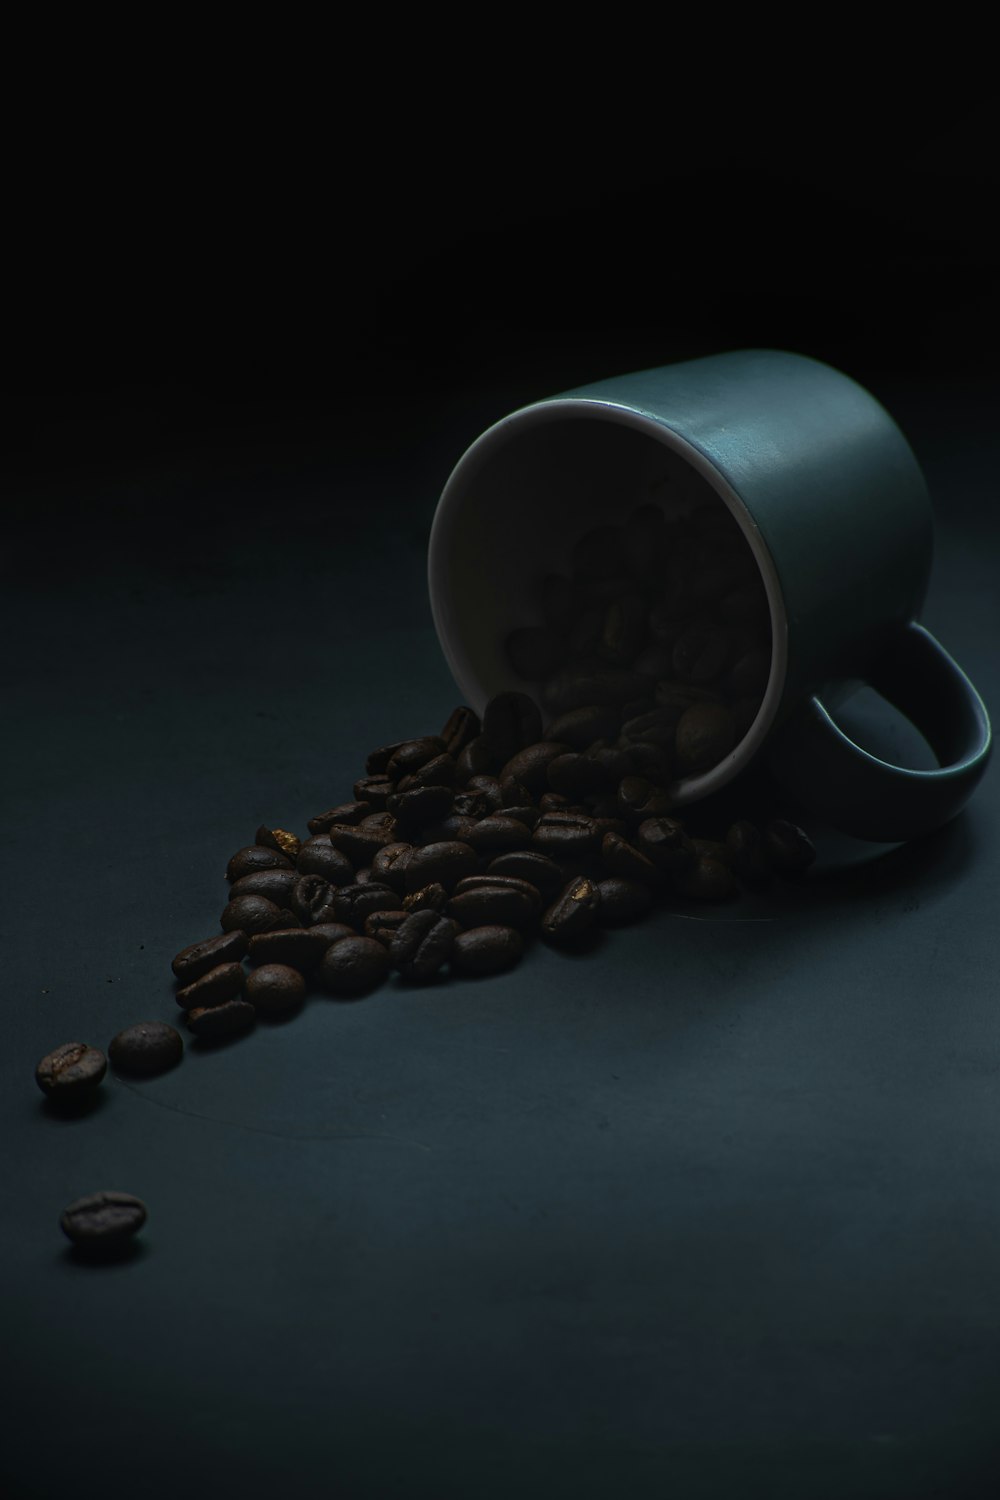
<point>714,1211</point>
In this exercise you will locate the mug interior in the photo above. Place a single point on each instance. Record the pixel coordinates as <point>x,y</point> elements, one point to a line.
<point>514,507</point>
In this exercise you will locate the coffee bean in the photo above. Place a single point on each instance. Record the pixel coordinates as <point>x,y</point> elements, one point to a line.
<point>352,903</point>
<point>440,771</point>
<point>374,789</point>
<point>623,859</point>
<point>623,901</point>
<point>279,839</point>
<point>573,914</point>
<point>362,841</point>
<point>553,802</point>
<point>653,728</point>
<point>330,932</point>
<point>664,841</point>
<point>580,727</point>
<point>422,945</point>
<point>528,815</point>
<point>462,726</point>
<point>450,830</point>
<point>489,788</point>
<point>525,864</point>
<point>383,925</point>
<point>508,882</point>
<point>377,760</point>
<point>196,959</point>
<point>354,966</point>
<point>477,757</point>
<point>389,865</point>
<point>474,805</point>
<point>70,1074</point>
<point>706,879</point>
<point>220,983</point>
<point>431,897</point>
<point>105,1219</point>
<point>513,793</point>
<point>246,861</point>
<point>364,876</point>
<point>445,863</point>
<point>575,687</point>
<point>273,885</point>
<point>790,847</point>
<point>535,651</point>
<point>250,914</point>
<point>638,799</point>
<point>314,900</point>
<point>347,813</point>
<point>413,754</point>
<point>511,722</point>
<point>217,1022</point>
<point>493,905</point>
<point>318,857</point>
<point>530,766</point>
<point>146,1048</point>
<point>495,834</point>
<point>275,990</point>
<point>415,809</point>
<point>748,855</point>
<point>565,834</point>
<point>486,950</point>
<point>301,947</point>
<point>704,736</point>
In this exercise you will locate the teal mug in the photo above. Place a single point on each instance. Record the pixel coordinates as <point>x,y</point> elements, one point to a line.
<point>835,509</point>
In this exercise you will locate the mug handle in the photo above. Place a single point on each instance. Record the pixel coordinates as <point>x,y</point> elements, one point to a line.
<point>859,794</point>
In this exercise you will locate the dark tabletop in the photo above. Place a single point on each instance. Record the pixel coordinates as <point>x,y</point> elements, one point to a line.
<point>712,1211</point>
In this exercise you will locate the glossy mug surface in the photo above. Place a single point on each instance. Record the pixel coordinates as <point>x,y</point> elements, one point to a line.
<point>835,510</point>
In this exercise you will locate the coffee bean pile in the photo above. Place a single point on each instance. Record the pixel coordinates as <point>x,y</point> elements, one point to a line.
<point>664,621</point>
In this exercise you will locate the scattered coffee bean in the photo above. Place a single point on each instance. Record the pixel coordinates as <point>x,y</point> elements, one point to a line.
<point>354,966</point>
<point>462,726</point>
<point>416,808</point>
<point>273,885</point>
<point>413,754</point>
<point>280,839</point>
<point>70,1074</point>
<point>313,899</point>
<point>493,905</point>
<point>573,915</point>
<point>330,932</point>
<point>535,869</point>
<point>217,1022</point>
<point>431,897</point>
<point>389,865</point>
<point>318,857</point>
<point>102,1220</point>
<point>275,989</point>
<point>146,1048</point>
<point>195,960</point>
<point>495,834</point>
<point>300,947</point>
<point>221,983</point>
<point>251,914</point>
<point>562,834</point>
<point>530,766</point>
<point>789,846</point>
<point>623,859</point>
<point>374,789</point>
<point>422,944</point>
<point>705,733</point>
<point>246,861</point>
<point>486,950</point>
<point>444,864</point>
<point>347,813</point>
<point>383,925</point>
<point>437,772</point>
<point>377,760</point>
<point>352,903</point>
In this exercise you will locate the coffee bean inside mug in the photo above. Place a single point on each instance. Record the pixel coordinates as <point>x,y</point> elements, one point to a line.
<point>657,634</point>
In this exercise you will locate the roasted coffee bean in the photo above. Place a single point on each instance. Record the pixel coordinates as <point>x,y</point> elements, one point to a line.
<point>250,914</point>
<point>575,687</point>
<point>246,861</point>
<point>599,553</point>
<point>574,775</point>
<point>318,857</point>
<point>488,905</point>
<point>565,835</point>
<point>665,842</point>
<point>639,799</point>
<point>377,760</point>
<point>530,766</point>
<point>331,932</point>
<point>450,830</point>
<point>748,854</point>
<point>580,727</point>
<point>423,805</point>
<point>554,802</point>
<point>354,966</point>
<point>146,1048</point>
<point>313,900</point>
<point>511,722</point>
<point>623,630</point>
<point>273,885</point>
<point>475,759</point>
<point>389,865</point>
<point>352,903</point>
<point>536,870</point>
<point>220,983</point>
<point>383,925</point>
<point>623,901</point>
<point>195,960</point>
<point>280,839</point>
<point>413,754</point>
<point>486,950</point>
<point>374,789</point>
<point>528,815</point>
<point>275,990</point>
<point>437,772</point>
<point>431,897</point>
<point>705,734</point>
<point>654,728</point>
<point>560,601</point>
<point>623,859</point>
<point>364,876</point>
<point>463,725</point>
<point>513,793</point>
<point>701,652</point>
<point>494,834</point>
<point>218,1022</point>
<point>70,1074</point>
<point>706,879</point>
<point>360,842</point>
<point>445,863</point>
<point>489,788</point>
<point>422,945</point>
<point>347,813</point>
<point>509,882</point>
<point>573,914</point>
<point>790,847</point>
<point>103,1220</point>
<point>535,651</point>
<point>300,947</point>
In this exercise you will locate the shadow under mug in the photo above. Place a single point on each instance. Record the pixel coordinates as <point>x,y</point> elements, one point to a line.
<point>835,510</point>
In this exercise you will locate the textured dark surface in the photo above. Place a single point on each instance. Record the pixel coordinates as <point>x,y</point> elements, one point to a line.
<point>712,1210</point>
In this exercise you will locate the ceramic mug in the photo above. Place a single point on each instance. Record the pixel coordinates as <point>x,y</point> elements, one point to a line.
<point>835,509</point>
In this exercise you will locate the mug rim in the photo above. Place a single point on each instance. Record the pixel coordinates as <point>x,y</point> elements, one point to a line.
<point>536,413</point>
